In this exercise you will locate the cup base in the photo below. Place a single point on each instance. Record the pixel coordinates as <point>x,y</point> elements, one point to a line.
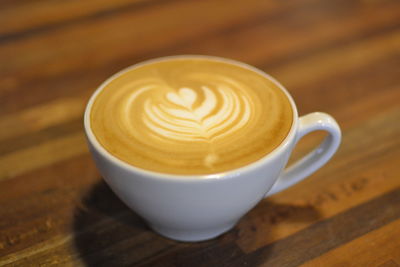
<point>192,235</point>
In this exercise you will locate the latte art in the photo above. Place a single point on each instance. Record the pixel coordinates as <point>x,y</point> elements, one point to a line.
<point>190,116</point>
<point>220,112</point>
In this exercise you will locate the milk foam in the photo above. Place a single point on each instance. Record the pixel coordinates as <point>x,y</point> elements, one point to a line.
<point>190,116</point>
<point>178,119</point>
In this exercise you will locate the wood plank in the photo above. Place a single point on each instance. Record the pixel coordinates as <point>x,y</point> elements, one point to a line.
<point>145,24</point>
<point>297,34</point>
<point>364,107</point>
<point>37,118</point>
<point>96,211</point>
<point>29,118</point>
<point>42,155</point>
<point>26,119</point>
<point>22,126</point>
<point>44,14</point>
<point>9,163</point>
<point>357,56</point>
<point>24,258</point>
<point>320,196</point>
<point>300,247</point>
<point>336,63</point>
<point>41,205</point>
<point>123,55</point>
<point>365,250</point>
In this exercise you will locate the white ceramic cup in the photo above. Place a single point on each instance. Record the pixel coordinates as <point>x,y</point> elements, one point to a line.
<point>201,207</point>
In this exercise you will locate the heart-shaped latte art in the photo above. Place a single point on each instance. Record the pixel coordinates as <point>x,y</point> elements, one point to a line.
<point>185,97</point>
<point>179,120</point>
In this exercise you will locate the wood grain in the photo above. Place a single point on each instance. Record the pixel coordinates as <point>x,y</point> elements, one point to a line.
<point>339,56</point>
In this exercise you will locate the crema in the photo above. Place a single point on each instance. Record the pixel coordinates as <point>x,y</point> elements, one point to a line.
<point>190,115</point>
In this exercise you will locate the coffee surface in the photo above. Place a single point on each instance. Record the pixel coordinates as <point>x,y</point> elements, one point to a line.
<point>190,115</point>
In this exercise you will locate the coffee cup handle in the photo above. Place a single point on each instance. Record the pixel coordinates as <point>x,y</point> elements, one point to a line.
<point>317,157</point>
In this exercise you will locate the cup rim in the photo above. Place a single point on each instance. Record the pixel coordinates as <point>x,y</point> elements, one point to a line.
<point>189,177</point>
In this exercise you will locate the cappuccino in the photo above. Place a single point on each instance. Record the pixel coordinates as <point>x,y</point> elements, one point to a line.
<point>190,115</point>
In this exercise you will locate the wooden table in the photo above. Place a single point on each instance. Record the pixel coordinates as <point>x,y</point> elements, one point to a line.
<point>340,56</point>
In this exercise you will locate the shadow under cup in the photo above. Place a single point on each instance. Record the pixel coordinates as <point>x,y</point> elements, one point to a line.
<point>200,207</point>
